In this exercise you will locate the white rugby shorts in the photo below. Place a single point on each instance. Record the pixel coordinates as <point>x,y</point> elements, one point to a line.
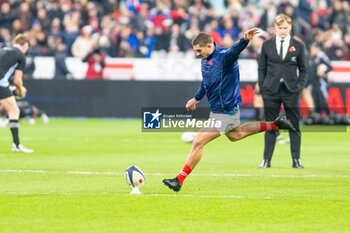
<point>228,122</point>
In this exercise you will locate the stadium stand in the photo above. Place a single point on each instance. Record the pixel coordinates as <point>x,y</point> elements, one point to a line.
<point>161,28</point>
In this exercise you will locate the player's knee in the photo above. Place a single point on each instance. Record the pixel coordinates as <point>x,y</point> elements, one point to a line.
<point>14,112</point>
<point>198,142</point>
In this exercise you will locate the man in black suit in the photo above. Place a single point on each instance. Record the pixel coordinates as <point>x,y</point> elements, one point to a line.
<point>282,75</point>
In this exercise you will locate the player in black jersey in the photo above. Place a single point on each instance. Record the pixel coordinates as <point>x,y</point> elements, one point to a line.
<point>12,63</point>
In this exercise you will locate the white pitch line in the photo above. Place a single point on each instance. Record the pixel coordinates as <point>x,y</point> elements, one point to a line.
<point>170,174</point>
<point>144,195</point>
<point>209,196</point>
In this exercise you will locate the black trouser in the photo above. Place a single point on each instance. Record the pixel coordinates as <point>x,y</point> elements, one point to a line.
<point>272,105</point>
<point>320,100</point>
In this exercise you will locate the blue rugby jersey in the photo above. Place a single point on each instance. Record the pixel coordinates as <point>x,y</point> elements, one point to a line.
<point>221,78</point>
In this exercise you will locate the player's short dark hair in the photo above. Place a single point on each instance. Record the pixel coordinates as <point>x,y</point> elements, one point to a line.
<point>282,18</point>
<point>202,39</point>
<point>21,39</point>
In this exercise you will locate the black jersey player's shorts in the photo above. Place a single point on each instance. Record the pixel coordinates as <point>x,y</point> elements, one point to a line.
<point>5,92</point>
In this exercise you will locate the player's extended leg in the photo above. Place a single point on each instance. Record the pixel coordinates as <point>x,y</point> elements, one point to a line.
<point>12,109</point>
<point>251,128</point>
<point>204,136</point>
<point>247,129</point>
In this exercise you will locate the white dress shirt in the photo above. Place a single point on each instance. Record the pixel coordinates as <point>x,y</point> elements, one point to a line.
<point>285,45</point>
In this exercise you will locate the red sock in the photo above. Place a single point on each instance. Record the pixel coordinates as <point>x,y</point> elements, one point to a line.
<point>186,170</point>
<point>267,125</point>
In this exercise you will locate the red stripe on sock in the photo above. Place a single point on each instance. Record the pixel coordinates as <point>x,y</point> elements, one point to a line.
<point>186,170</point>
<point>263,126</point>
<point>267,125</point>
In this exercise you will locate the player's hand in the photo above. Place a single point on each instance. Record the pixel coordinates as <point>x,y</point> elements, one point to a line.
<point>248,35</point>
<point>191,104</point>
<point>23,92</point>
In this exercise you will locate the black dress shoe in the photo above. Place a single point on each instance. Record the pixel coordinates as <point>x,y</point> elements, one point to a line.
<point>297,163</point>
<point>283,123</point>
<point>265,164</point>
<point>173,184</point>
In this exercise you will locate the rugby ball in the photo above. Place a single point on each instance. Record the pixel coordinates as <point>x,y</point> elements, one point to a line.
<point>134,177</point>
<point>188,136</point>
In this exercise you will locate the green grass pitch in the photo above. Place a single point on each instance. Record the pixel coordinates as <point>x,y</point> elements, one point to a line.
<point>74,182</point>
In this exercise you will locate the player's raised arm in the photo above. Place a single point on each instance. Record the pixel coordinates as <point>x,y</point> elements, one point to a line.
<point>248,35</point>
<point>233,52</point>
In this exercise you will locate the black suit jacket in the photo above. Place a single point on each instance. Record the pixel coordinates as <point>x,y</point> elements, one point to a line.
<point>272,68</point>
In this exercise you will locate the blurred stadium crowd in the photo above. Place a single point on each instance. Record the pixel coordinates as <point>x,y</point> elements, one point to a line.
<point>164,28</point>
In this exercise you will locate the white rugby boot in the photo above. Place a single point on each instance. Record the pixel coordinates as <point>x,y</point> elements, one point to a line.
<point>21,148</point>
